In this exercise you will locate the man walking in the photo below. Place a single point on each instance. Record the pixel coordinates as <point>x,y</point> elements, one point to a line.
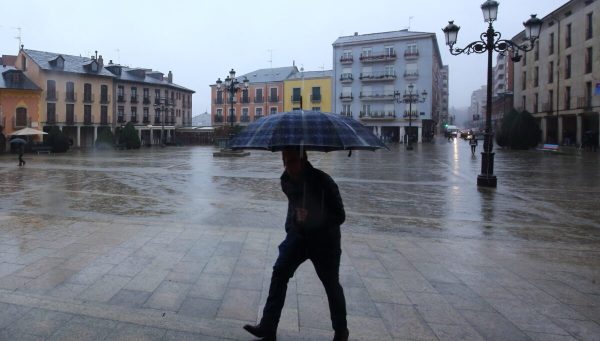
<point>315,213</point>
<point>21,152</point>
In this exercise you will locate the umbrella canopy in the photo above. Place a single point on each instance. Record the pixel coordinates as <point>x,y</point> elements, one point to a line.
<point>28,131</point>
<point>18,141</point>
<point>311,130</point>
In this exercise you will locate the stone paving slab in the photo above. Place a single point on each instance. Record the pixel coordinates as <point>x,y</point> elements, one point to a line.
<point>432,271</point>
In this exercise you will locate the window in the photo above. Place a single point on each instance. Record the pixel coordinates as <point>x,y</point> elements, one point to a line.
<point>551,42</point>
<point>120,93</point>
<point>51,113</point>
<point>273,95</point>
<point>104,93</point>
<point>389,70</point>
<point>550,72</point>
<point>535,103</point>
<point>133,93</point>
<point>21,117</point>
<point>51,90</point>
<point>156,95</point>
<point>524,58</point>
<point>316,108</point>
<point>366,52</point>
<point>567,97</point>
<point>244,111</point>
<point>146,93</point>
<point>316,94</point>
<point>70,119</point>
<point>550,100</point>
<point>588,60</point>
<point>219,97</point>
<point>366,110</point>
<point>346,56</point>
<point>389,51</point>
<point>589,28</point>
<point>70,96</point>
<point>296,96</point>
<point>258,112</point>
<point>146,115</point>
<point>536,52</point>
<point>87,114</point>
<point>134,114</point>
<point>366,91</point>
<point>87,92</point>
<point>258,97</point>
<point>568,36</point>
<point>104,114</point>
<point>411,49</point>
<point>588,95</point>
<point>411,69</point>
<point>273,110</point>
<point>568,67</point>
<point>94,67</point>
<point>524,81</point>
<point>366,72</point>
<point>346,110</point>
<point>23,63</point>
<point>536,72</point>
<point>346,91</point>
<point>219,113</point>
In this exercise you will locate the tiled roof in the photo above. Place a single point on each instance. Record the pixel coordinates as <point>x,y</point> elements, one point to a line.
<point>377,36</point>
<point>147,76</point>
<point>270,75</point>
<point>8,60</point>
<point>11,78</point>
<point>311,74</point>
<point>72,64</point>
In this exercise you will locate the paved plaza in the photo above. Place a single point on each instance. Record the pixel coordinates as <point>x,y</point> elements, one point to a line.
<point>173,244</point>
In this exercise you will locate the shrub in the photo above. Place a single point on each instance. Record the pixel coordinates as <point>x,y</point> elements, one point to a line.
<point>105,139</point>
<point>57,140</point>
<point>129,137</point>
<point>519,131</point>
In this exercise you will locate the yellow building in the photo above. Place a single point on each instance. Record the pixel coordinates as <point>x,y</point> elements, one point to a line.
<point>308,90</point>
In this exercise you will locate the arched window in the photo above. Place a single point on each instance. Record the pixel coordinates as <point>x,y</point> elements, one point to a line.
<point>21,117</point>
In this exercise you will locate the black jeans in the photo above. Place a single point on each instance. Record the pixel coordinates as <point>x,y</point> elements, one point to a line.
<point>325,256</point>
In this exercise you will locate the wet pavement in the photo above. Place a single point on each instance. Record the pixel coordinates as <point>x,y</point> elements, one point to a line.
<point>173,244</point>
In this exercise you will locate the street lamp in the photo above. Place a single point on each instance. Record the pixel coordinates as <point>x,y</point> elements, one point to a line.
<point>410,97</point>
<point>232,85</point>
<point>491,41</point>
<point>162,105</point>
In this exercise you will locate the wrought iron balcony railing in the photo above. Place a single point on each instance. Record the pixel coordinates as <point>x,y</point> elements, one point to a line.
<point>379,57</point>
<point>346,59</point>
<point>70,97</point>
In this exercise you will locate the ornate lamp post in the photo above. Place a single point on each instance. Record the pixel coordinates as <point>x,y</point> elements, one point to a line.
<point>232,85</point>
<point>491,41</point>
<point>410,97</point>
<point>162,106</point>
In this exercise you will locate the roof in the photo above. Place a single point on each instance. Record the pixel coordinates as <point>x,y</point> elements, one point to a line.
<point>356,38</point>
<point>8,60</point>
<point>12,78</point>
<point>311,74</point>
<point>270,75</point>
<point>72,64</point>
<point>142,75</point>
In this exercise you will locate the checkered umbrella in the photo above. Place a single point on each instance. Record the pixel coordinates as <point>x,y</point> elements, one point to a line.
<point>311,130</point>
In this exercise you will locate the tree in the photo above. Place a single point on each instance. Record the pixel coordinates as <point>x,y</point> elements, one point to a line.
<point>519,131</point>
<point>105,140</point>
<point>57,140</point>
<point>129,137</point>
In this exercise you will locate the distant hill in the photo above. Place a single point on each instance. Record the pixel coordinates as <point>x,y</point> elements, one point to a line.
<point>201,120</point>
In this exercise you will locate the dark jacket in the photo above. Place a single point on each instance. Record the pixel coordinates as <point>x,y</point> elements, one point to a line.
<point>316,192</point>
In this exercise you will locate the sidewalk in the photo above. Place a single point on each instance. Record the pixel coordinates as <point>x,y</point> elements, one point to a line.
<point>94,259</point>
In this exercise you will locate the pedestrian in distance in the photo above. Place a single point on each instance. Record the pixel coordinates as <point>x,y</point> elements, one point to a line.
<point>315,213</point>
<point>21,152</point>
<point>473,144</point>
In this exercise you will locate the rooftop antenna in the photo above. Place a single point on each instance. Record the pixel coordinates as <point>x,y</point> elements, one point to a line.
<point>118,56</point>
<point>19,36</point>
<point>409,21</point>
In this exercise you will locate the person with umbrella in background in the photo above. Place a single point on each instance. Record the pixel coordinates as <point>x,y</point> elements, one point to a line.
<point>315,208</point>
<point>315,213</point>
<point>21,145</point>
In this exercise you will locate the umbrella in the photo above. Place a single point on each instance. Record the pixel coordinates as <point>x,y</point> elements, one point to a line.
<point>28,131</point>
<point>18,141</point>
<point>311,130</point>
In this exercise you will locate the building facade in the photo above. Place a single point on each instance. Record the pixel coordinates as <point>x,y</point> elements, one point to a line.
<point>19,101</point>
<point>477,108</point>
<point>308,90</point>
<point>370,68</point>
<point>559,81</point>
<point>264,96</point>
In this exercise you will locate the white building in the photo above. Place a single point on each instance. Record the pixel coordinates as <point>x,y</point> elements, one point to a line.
<point>369,68</point>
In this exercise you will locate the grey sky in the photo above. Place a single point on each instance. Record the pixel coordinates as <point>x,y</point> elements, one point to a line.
<point>201,41</point>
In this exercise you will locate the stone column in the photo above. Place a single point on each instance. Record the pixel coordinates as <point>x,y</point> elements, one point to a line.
<point>579,128</point>
<point>95,135</point>
<point>419,135</point>
<point>544,128</point>
<point>560,130</point>
<point>78,136</point>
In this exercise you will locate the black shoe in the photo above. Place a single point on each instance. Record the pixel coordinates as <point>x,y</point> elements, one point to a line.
<point>260,331</point>
<point>341,335</point>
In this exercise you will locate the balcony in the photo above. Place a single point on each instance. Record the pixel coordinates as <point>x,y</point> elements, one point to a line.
<point>346,78</point>
<point>296,99</point>
<point>245,119</point>
<point>584,103</point>
<point>379,57</point>
<point>88,98</point>
<point>121,98</point>
<point>315,98</point>
<point>134,99</point>
<point>346,97</point>
<point>231,119</point>
<point>346,60</point>
<point>133,119</point>
<point>219,101</point>
<point>157,120</point>
<point>346,113</point>
<point>411,75</point>
<point>259,99</point>
<point>146,100</point>
<point>378,115</point>
<point>120,119</point>
<point>547,107</point>
<point>146,119</point>
<point>377,76</point>
<point>104,120</point>
<point>218,119</point>
<point>104,99</point>
<point>87,119</point>
<point>256,117</point>
<point>411,54</point>
<point>70,119</point>
<point>70,97</point>
<point>51,96</point>
<point>411,114</point>
<point>376,96</point>
<point>51,119</point>
<point>243,99</point>
<point>273,99</point>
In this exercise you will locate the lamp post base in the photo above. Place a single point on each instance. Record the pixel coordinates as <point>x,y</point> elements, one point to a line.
<point>485,180</point>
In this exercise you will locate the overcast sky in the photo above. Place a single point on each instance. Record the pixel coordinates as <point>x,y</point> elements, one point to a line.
<point>201,41</point>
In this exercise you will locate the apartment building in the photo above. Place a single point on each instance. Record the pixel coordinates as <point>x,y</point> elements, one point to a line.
<point>477,107</point>
<point>19,101</point>
<point>264,96</point>
<point>308,90</point>
<point>369,68</point>
<point>444,118</point>
<point>559,81</point>
<point>150,101</point>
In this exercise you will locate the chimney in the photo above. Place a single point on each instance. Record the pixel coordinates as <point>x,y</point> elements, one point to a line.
<point>110,62</point>
<point>170,77</point>
<point>100,61</point>
<point>355,34</point>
